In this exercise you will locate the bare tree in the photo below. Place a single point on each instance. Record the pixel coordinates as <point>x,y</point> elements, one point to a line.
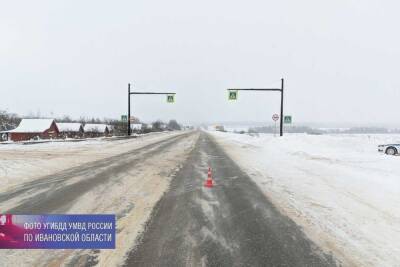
<point>173,125</point>
<point>8,120</point>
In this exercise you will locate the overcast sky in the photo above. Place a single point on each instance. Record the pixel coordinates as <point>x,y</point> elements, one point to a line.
<point>340,59</point>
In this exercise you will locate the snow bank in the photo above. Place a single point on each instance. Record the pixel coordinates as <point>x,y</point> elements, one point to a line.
<point>343,193</point>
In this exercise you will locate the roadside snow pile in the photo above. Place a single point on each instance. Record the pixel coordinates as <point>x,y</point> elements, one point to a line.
<point>343,193</point>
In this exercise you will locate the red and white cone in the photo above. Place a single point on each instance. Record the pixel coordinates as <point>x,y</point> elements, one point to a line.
<point>209,182</point>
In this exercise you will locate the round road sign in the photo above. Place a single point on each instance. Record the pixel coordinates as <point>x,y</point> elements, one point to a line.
<point>275,117</point>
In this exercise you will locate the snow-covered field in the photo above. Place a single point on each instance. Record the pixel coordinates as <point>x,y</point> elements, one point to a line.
<point>344,194</point>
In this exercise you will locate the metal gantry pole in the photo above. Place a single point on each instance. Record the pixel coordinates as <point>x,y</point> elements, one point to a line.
<point>139,93</point>
<point>129,109</point>
<point>269,89</point>
<point>281,121</point>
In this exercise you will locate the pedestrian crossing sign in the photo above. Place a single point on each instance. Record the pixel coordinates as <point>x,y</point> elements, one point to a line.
<point>287,119</point>
<point>232,94</point>
<point>170,98</point>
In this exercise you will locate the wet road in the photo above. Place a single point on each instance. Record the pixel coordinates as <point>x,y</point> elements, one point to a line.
<point>231,224</point>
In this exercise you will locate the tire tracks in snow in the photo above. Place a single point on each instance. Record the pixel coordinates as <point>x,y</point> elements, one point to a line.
<point>54,193</point>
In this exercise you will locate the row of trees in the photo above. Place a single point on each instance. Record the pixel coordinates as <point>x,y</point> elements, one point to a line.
<point>156,126</point>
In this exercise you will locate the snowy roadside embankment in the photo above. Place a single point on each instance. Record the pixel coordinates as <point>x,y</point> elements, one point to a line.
<point>343,193</point>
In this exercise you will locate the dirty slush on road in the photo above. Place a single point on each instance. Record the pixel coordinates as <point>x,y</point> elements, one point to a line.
<point>231,224</point>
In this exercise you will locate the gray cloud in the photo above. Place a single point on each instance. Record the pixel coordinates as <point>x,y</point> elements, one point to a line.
<point>340,58</point>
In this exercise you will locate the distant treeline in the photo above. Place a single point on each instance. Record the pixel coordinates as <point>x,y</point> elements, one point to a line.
<point>292,129</point>
<point>310,130</point>
<point>370,130</point>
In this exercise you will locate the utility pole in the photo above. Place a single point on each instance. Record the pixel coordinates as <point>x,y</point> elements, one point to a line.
<point>268,89</point>
<point>140,93</point>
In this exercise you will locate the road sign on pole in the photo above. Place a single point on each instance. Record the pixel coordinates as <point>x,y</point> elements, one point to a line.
<point>275,118</point>
<point>170,98</point>
<point>124,118</point>
<point>288,119</point>
<point>232,94</point>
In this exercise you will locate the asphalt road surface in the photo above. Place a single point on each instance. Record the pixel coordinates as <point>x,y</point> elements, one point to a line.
<point>127,179</point>
<point>55,193</point>
<point>231,224</point>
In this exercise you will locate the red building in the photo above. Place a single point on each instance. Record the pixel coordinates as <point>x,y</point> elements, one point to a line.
<point>34,129</point>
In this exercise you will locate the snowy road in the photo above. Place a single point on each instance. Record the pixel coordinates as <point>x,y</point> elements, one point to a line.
<point>56,193</point>
<point>128,183</point>
<point>165,216</point>
<point>231,224</point>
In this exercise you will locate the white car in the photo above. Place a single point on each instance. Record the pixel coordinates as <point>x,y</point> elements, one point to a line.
<point>391,149</point>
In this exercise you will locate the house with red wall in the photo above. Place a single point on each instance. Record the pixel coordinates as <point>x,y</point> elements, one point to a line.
<point>34,129</point>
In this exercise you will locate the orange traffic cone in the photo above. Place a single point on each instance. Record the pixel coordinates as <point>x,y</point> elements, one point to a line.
<point>209,181</point>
